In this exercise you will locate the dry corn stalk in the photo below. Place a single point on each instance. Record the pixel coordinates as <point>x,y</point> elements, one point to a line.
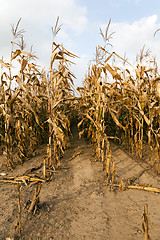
<point>18,227</point>
<point>151,189</point>
<point>145,224</point>
<point>121,185</point>
<point>35,199</point>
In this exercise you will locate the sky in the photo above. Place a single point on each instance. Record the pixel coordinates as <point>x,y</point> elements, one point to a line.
<point>133,21</point>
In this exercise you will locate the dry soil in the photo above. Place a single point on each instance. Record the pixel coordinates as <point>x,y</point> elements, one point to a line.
<point>77,204</point>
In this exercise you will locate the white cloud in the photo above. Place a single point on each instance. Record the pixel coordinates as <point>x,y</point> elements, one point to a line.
<point>37,19</point>
<point>42,13</point>
<point>130,38</point>
<point>80,68</point>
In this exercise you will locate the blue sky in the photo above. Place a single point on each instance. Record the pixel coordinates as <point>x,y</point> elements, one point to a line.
<point>121,10</point>
<point>134,23</point>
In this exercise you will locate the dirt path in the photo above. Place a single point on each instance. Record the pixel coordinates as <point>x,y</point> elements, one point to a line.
<point>78,205</point>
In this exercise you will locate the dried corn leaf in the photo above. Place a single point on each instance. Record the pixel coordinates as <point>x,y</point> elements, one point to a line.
<point>76,154</point>
<point>80,123</point>
<point>29,54</point>
<point>28,106</point>
<point>6,65</point>
<point>142,112</point>
<point>23,65</point>
<point>112,71</point>
<point>94,123</point>
<point>16,54</point>
<point>108,58</point>
<point>116,120</point>
<point>13,98</point>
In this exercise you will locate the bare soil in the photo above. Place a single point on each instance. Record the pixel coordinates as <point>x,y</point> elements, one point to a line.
<point>77,203</point>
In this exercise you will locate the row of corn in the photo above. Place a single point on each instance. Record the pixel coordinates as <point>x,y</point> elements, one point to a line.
<point>35,104</point>
<point>122,102</point>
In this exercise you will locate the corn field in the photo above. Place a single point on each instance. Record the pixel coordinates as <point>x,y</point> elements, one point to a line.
<point>117,102</point>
